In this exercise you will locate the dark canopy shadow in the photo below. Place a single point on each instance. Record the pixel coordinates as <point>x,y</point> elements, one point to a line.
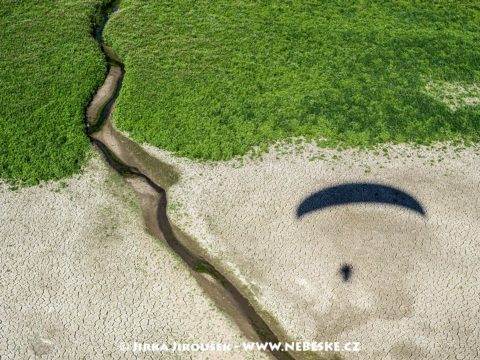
<point>358,193</point>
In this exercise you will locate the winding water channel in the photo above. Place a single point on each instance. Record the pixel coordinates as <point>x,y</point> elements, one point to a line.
<point>149,178</point>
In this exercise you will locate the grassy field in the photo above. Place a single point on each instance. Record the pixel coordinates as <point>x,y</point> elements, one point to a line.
<point>210,80</point>
<point>49,67</point>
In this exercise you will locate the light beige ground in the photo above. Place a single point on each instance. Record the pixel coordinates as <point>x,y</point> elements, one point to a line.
<point>455,95</point>
<point>79,276</point>
<point>415,289</point>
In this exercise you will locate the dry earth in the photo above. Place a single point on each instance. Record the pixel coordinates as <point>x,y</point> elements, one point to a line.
<point>415,285</point>
<point>80,275</point>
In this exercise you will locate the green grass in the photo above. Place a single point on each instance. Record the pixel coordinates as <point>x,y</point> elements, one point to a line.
<point>211,79</point>
<point>49,67</point>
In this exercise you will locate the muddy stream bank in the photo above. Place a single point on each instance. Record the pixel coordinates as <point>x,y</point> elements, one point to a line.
<point>150,178</point>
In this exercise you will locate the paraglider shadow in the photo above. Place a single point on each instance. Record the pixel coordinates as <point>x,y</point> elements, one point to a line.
<point>352,193</point>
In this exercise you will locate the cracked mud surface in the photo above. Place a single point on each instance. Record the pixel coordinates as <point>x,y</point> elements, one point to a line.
<point>80,274</point>
<point>412,289</point>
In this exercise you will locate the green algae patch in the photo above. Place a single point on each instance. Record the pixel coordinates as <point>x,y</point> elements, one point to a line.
<point>50,66</point>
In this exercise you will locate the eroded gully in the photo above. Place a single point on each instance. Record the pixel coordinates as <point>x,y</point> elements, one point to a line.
<point>149,178</point>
